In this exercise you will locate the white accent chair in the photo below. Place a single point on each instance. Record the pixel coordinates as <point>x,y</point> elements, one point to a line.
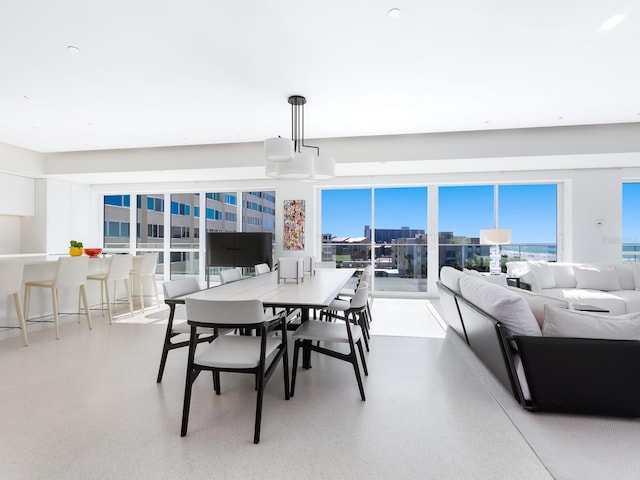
<point>258,355</point>
<point>348,332</point>
<point>10,285</point>
<point>177,323</point>
<point>119,269</point>
<point>262,268</point>
<point>291,268</point>
<point>230,275</point>
<point>144,269</point>
<point>71,273</point>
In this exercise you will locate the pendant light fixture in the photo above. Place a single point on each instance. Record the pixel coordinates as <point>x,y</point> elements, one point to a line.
<point>285,158</point>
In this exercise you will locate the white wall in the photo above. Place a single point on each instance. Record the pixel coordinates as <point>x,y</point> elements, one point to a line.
<point>9,234</point>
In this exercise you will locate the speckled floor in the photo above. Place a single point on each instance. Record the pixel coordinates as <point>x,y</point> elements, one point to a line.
<point>88,407</point>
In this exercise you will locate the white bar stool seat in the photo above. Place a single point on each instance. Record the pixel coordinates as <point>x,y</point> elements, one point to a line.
<point>71,273</point>
<point>144,267</point>
<point>119,269</point>
<point>10,285</point>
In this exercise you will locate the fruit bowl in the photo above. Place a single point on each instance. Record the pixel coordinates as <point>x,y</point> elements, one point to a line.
<point>93,252</point>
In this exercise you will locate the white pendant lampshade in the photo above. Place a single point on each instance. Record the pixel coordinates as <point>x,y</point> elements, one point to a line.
<point>299,168</point>
<point>324,168</point>
<point>278,149</point>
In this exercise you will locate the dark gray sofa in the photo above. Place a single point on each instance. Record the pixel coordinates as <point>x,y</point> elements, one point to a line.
<point>573,375</point>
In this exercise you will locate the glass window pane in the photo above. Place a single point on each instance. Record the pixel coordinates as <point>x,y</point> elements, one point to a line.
<point>183,224</point>
<point>151,221</point>
<point>258,212</point>
<point>116,221</point>
<point>400,223</point>
<point>530,211</point>
<point>346,221</point>
<point>184,264</point>
<point>221,216</point>
<point>630,222</point>
<point>462,212</point>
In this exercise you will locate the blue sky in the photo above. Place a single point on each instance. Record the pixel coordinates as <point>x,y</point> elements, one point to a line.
<point>631,213</point>
<point>529,210</point>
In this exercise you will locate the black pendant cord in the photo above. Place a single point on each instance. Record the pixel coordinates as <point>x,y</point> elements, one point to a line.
<point>297,123</point>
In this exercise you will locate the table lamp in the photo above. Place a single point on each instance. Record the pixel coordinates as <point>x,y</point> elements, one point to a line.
<point>495,237</point>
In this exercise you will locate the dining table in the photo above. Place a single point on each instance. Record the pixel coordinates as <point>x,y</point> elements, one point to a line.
<point>314,291</point>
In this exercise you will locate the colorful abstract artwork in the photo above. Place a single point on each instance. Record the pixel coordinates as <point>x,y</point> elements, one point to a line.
<point>294,224</point>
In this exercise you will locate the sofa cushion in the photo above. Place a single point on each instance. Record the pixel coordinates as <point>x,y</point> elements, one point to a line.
<point>631,299</point>
<point>502,304</point>
<point>635,269</point>
<point>450,277</point>
<point>571,323</point>
<point>537,302</point>
<point>543,274</point>
<point>607,300</point>
<point>597,278</point>
<point>625,276</point>
<point>563,274</point>
<point>530,278</point>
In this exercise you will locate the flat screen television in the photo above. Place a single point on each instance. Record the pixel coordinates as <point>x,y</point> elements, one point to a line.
<point>246,249</point>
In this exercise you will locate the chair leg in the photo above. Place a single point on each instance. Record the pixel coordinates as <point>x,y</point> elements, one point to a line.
<point>356,369</point>
<point>187,401</point>
<point>256,434</point>
<point>106,292</point>
<point>141,292</point>
<point>285,372</point>
<point>127,287</point>
<point>27,296</point>
<point>83,296</point>
<point>23,325</point>
<point>362,359</point>
<point>54,299</point>
<point>155,290</point>
<point>294,370</point>
<point>216,381</point>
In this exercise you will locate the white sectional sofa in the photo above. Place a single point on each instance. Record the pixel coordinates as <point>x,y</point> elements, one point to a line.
<point>550,356</point>
<point>615,288</point>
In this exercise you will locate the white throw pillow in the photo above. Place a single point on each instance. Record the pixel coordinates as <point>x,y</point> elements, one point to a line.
<point>530,278</point>
<point>502,304</point>
<point>543,274</point>
<point>597,278</point>
<point>563,274</point>
<point>450,277</point>
<point>537,303</point>
<point>576,324</point>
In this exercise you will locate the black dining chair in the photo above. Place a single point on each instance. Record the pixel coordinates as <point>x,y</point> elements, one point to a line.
<point>254,354</point>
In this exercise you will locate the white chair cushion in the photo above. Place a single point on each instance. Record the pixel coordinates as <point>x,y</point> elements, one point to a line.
<point>575,324</point>
<point>326,332</point>
<point>181,326</point>
<point>625,276</point>
<point>597,278</point>
<point>450,278</point>
<point>235,351</point>
<point>505,306</point>
<point>542,272</point>
<point>563,274</point>
<point>635,269</point>
<point>339,305</point>
<point>537,303</point>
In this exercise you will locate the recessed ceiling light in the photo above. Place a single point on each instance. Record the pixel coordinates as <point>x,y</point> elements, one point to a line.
<point>394,12</point>
<point>560,117</point>
<point>26,98</point>
<point>73,48</point>
<point>611,23</point>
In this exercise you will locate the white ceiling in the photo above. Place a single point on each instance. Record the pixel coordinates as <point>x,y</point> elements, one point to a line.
<point>169,72</point>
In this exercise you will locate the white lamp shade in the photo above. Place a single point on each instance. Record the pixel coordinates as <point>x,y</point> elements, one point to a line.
<point>278,149</point>
<point>324,168</point>
<point>272,169</point>
<point>495,236</point>
<point>299,168</point>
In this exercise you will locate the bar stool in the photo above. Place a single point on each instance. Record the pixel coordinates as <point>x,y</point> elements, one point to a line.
<point>144,266</point>
<point>71,272</point>
<point>119,269</point>
<point>10,284</point>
